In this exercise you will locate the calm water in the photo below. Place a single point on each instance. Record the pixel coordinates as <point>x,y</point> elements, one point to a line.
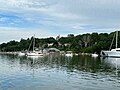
<point>55,72</point>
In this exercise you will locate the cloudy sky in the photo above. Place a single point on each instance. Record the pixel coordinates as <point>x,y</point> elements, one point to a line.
<point>45,18</point>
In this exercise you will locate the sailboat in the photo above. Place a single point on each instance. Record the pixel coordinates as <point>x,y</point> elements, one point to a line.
<point>33,52</point>
<point>113,52</point>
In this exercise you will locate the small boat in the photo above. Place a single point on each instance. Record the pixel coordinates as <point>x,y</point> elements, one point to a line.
<point>21,53</point>
<point>76,54</point>
<point>33,52</point>
<point>69,54</point>
<point>112,52</point>
<point>94,55</point>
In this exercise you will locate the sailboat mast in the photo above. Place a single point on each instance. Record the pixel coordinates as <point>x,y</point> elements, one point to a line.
<point>116,38</point>
<point>33,42</point>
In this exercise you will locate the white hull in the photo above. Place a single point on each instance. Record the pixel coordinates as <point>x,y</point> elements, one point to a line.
<point>69,55</point>
<point>94,55</point>
<point>110,53</point>
<point>21,54</point>
<point>34,54</point>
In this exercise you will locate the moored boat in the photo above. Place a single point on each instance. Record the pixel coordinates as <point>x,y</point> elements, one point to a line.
<point>69,54</point>
<point>94,55</point>
<point>34,52</point>
<point>112,52</point>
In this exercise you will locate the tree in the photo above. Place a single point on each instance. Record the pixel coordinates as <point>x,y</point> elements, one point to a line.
<point>86,39</point>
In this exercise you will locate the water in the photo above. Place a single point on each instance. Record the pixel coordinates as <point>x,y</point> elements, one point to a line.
<point>56,72</point>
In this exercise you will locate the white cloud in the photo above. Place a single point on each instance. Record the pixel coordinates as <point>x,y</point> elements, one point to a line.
<point>58,16</point>
<point>10,33</point>
<point>3,19</point>
<point>25,4</point>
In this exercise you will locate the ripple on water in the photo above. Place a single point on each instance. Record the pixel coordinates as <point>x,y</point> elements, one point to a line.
<point>18,73</point>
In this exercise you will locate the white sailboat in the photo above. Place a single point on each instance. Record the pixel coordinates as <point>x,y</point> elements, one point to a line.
<point>34,53</point>
<point>113,52</point>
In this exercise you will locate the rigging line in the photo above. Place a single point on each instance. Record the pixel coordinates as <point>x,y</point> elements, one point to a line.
<point>116,38</point>
<point>33,42</point>
<point>30,44</point>
<point>112,42</point>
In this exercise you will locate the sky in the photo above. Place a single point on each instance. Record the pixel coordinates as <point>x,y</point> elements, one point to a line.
<point>49,18</point>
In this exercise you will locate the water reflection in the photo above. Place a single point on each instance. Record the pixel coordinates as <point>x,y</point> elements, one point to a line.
<point>79,63</point>
<point>114,64</point>
<point>57,72</point>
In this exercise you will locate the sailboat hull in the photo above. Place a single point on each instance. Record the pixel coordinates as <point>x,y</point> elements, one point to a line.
<point>110,53</point>
<point>34,54</point>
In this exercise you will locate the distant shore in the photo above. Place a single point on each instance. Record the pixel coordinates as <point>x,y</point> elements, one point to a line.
<point>16,53</point>
<point>9,53</point>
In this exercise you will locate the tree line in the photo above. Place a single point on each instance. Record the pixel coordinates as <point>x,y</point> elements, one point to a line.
<point>83,43</point>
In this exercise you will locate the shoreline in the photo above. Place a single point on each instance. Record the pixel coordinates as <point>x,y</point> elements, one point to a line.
<point>16,53</point>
